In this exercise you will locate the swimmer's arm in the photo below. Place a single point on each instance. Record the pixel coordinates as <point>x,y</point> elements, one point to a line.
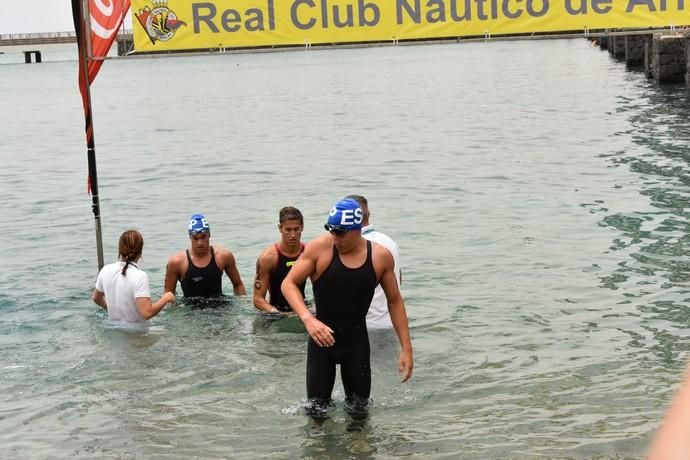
<point>264,265</point>
<point>148,310</point>
<point>99,298</point>
<point>172,270</point>
<point>396,309</point>
<point>231,270</point>
<point>303,268</point>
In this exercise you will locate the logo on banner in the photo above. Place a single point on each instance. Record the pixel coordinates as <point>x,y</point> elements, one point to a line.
<point>159,22</point>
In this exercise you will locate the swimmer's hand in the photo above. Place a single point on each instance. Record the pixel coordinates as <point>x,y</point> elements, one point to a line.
<point>405,365</point>
<point>169,297</point>
<point>319,332</point>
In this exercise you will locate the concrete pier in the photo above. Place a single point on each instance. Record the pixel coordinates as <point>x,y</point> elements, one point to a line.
<point>125,44</point>
<point>603,42</point>
<point>668,61</point>
<point>29,54</point>
<point>617,46</point>
<point>687,62</point>
<point>663,56</point>
<point>37,39</point>
<point>634,49</point>
<point>50,38</point>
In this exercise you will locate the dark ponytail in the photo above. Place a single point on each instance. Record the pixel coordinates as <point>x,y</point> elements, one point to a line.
<point>130,247</point>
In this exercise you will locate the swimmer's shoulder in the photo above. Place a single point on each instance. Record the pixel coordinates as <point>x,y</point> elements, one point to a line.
<point>268,257</point>
<point>318,245</point>
<point>178,258</point>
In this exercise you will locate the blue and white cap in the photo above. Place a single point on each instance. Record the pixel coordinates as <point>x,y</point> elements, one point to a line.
<point>345,215</point>
<point>198,224</point>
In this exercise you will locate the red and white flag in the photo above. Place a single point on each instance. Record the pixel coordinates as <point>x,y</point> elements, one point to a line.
<point>105,19</point>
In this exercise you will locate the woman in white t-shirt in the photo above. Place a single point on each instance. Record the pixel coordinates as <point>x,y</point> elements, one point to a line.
<point>122,287</point>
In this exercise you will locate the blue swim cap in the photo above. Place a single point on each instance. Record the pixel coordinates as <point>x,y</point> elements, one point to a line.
<point>345,215</point>
<point>198,224</point>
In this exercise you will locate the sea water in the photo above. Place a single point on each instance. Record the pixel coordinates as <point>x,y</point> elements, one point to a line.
<point>538,192</point>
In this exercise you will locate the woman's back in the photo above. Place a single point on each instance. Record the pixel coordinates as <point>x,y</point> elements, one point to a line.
<point>121,290</point>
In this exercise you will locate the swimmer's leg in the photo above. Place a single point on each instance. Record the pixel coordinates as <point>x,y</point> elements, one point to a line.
<point>320,380</point>
<point>355,371</point>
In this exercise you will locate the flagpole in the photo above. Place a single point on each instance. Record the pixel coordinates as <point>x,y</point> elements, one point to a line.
<point>90,143</point>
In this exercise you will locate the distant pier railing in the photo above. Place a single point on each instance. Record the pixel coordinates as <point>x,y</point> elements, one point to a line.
<point>48,38</point>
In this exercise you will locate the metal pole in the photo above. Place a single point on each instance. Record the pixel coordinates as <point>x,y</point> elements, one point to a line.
<point>86,17</point>
<point>91,145</point>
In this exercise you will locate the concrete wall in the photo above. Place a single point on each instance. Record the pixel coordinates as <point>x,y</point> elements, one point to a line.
<point>687,60</point>
<point>634,50</point>
<point>668,58</point>
<point>648,57</point>
<point>665,57</point>
<point>617,45</point>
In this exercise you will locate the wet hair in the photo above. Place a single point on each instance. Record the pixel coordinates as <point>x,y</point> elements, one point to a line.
<point>129,248</point>
<point>362,202</point>
<point>290,213</point>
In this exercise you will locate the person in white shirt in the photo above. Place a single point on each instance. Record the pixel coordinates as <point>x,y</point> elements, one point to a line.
<point>122,288</point>
<point>377,316</point>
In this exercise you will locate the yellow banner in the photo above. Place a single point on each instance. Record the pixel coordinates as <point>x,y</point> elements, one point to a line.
<point>184,24</point>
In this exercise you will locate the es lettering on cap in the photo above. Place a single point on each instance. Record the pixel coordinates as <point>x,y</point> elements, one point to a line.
<point>198,224</point>
<point>346,214</point>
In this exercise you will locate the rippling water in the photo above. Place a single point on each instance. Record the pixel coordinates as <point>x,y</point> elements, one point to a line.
<point>538,191</point>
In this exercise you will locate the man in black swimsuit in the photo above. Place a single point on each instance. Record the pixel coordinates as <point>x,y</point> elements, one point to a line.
<point>200,269</point>
<point>344,269</point>
<point>276,261</point>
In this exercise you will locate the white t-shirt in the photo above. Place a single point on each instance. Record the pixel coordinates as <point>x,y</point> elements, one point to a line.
<point>377,316</point>
<point>121,291</point>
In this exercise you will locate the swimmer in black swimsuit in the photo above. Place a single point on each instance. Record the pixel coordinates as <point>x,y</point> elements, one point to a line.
<point>200,268</point>
<point>275,262</point>
<point>344,269</point>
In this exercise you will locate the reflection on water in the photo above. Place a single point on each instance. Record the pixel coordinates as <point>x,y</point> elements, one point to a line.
<point>655,274</point>
<point>123,336</point>
<point>340,437</point>
<point>205,302</point>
